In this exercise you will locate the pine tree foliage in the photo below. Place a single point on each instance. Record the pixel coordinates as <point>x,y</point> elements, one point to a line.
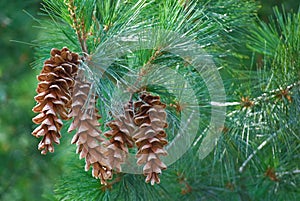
<point>128,47</point>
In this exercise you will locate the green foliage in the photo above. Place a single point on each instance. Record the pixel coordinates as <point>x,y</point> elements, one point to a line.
<point>254,159</point>
<point>266,135</point>
<point>257,155</point>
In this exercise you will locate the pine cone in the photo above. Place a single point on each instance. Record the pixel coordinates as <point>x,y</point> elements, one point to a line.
<point>87,137</point>
<point>54,99</point>
<point>120,137</point>
<point>150,139</point>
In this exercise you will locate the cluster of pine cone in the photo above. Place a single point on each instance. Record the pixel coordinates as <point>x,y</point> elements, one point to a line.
<point>64,93</point>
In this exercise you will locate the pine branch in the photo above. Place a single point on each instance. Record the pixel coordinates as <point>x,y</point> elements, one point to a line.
<point>78,25</point>
<point>143,71</point>
<point>241,169</point>
<point>278,93</point>
<point>260,135</point>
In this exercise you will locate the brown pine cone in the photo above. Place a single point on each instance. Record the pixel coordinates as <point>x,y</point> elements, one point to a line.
<point>54,99</point>
<point>88,135</point>
<point>150,139</point>
<point>120,134</point>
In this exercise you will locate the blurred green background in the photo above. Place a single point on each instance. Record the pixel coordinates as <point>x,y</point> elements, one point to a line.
<point>24,173</point>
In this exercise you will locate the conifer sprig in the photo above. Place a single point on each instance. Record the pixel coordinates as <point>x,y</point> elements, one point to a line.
<point>78,25</point>
<point>259,142</point>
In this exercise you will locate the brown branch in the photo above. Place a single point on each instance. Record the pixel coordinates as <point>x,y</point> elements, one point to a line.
<point>183,180</point>
<point>143,71</point>
<point>78,26</point>
<point>110,184</point>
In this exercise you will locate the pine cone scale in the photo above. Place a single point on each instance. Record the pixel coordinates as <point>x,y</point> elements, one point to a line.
<point>85,122</point>
<point>150,138</point>
<point>53,98</point>
<point>120,138</point>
